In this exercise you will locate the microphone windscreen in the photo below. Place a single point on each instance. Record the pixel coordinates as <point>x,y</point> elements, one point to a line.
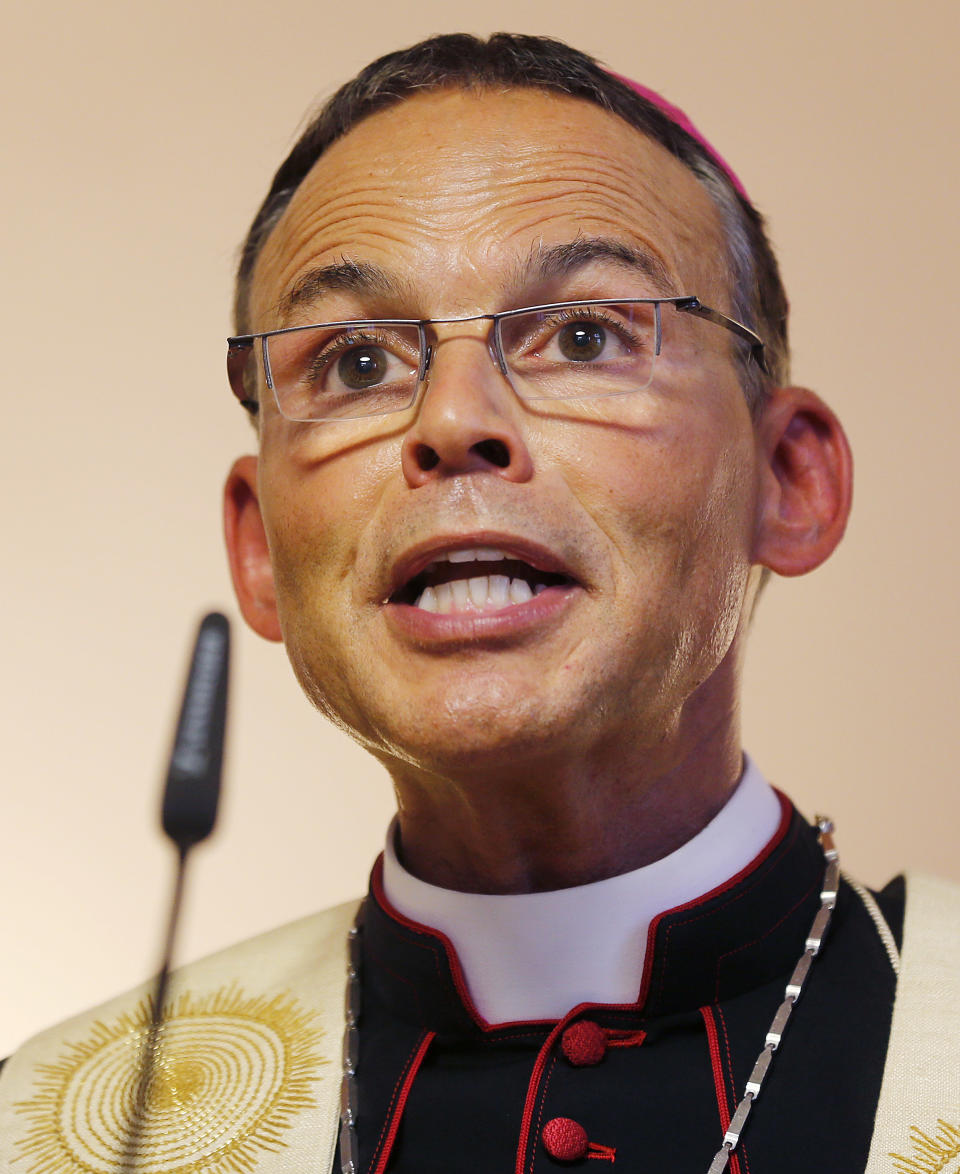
<point>192,791</point>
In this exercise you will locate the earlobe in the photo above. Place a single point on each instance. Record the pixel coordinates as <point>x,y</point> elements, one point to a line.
<point>806,482</point>
<point>247,550</point>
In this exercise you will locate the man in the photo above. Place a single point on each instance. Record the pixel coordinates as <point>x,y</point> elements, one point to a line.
<point>515,346</point>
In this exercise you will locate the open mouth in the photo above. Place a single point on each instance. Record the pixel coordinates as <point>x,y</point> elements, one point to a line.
<point>478,579</point>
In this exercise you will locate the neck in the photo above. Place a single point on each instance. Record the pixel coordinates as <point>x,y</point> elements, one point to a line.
<point>518,955</point>
<point>553,824</point>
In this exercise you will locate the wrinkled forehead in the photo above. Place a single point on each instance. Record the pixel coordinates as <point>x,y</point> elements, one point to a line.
<point>455,191</point>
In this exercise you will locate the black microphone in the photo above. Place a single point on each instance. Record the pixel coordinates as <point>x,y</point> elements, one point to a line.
<point>192,792</point>
<point>190,799</point>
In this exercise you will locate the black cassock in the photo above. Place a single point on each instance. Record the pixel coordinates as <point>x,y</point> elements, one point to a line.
<point>648,1087</point>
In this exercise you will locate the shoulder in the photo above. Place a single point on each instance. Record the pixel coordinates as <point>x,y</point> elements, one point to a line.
<point>919,1103</point>
<point>935,893</point>
<point>278,993</point>
<point>931,926</point>
<point>911,904</point>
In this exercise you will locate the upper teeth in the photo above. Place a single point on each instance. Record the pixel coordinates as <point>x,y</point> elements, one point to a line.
<point>472,554</point>
<point>478,592</point>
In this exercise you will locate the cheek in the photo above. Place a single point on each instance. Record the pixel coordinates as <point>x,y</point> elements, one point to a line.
<point>678,508</point>
<point>713,558</point>
<point>310,540</point>
<point>312,537</point>
<point>318,502</point>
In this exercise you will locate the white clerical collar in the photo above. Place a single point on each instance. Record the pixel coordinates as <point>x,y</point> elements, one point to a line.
<point>530,956</point>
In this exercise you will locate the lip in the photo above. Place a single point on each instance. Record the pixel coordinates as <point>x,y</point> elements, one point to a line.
<point>419,556</point>
<point>477,628</point>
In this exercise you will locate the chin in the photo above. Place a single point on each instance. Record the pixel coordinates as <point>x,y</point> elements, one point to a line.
<point>476,734</point>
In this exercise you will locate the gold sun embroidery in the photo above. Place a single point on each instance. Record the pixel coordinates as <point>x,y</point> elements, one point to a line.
<point>931,1155</point>
<point>231,1073</point>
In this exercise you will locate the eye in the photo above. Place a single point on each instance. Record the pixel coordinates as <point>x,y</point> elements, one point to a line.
<point>581,341</point>
<point>363,367</point>
<point>587,335</point>
<point>361,360</point>
<point>580,351</point>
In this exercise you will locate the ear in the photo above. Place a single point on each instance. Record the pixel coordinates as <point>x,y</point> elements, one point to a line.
<point>247,550</point>
<point>806,482</point>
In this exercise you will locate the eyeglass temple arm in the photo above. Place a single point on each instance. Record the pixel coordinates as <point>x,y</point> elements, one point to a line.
<point>237,349</point>
<point>693,305</point>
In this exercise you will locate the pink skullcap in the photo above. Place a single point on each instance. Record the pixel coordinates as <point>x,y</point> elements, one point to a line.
<point>676,115</point>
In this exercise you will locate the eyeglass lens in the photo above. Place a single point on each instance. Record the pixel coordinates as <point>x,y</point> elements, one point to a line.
<point>337,373</point>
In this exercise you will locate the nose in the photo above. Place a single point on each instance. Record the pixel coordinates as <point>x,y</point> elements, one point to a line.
<point>469,419</point>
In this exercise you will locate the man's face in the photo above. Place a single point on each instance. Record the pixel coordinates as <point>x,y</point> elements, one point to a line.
<point>637,512</point>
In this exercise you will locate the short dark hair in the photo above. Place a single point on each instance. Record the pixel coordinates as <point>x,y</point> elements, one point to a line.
<point>462,61</point>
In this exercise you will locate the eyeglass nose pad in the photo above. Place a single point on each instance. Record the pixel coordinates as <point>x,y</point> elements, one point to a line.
<point>496,351</point>
<point>425,364</point>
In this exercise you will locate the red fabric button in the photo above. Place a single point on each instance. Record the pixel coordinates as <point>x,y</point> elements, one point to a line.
<point>584,1043</point>
<point>564,1139</point>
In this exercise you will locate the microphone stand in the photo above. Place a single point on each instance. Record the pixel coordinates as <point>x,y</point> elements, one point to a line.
<point>190,800</point>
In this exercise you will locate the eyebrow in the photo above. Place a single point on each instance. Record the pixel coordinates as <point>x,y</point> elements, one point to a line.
<point>543,264</point>
<point>565,259</point>
<point>356,277</point>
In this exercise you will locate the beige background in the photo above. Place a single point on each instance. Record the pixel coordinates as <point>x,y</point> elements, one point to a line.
<point>138,141</point>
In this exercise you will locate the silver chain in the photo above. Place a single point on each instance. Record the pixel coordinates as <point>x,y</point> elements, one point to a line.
<point>828,899</point>
<point>349,1153</point>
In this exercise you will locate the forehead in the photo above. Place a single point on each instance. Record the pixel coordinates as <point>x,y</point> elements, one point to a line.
<point>454,192</point>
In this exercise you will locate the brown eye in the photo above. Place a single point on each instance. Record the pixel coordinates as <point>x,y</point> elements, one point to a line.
<point>362,367</point>
<point>582,341</point>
